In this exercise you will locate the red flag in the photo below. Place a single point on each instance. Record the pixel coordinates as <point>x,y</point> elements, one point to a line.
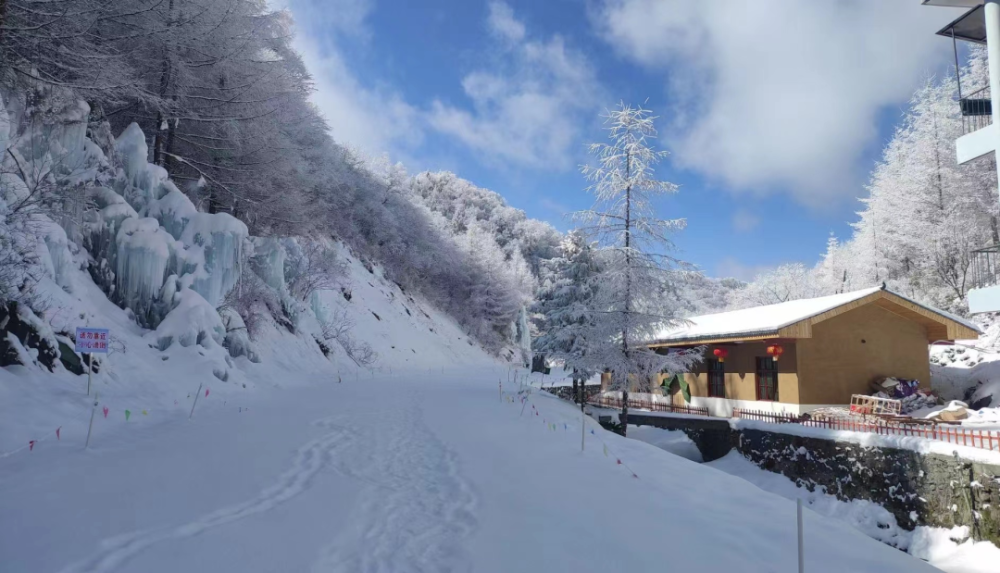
<point>31,445</point>
<point>57,433</point>
<point>206,392</point>
<point>619,462</point>
<point>105,411</point>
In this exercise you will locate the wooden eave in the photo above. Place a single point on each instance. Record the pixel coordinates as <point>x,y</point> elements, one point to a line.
<point>938,326</point>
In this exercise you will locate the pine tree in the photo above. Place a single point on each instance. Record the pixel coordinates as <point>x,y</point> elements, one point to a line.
<point>564,307</point>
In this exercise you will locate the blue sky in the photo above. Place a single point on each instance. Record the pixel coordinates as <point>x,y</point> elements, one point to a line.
<point>774,111</point>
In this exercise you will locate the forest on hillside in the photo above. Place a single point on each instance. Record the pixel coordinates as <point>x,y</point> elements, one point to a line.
<point>222,102</point>
<point>922,214</point>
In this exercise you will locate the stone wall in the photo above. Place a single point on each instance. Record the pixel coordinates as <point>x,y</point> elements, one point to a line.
<point>918,489</point>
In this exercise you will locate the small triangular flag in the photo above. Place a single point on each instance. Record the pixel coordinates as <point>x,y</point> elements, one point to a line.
<point>635,476</point>
<point>105,411</point>
<point>127,414</point>
<point>145,413</point>
<point>57,433</point>
<point>206,392</point>
<point>592,431</point>
<point>619,462</point>
<point>31,445</point>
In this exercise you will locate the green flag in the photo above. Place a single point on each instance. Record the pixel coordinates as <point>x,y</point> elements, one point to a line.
<point>127,414</point>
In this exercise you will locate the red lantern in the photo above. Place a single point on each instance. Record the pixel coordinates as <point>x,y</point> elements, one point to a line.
<point>775,351</point>
<point>721,354</point>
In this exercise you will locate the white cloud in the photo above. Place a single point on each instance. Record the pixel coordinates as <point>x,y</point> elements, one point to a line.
<point>744,221</point>
<point>729,267</point>
<point>779,93</point>
<point>528,108</point>
<point>502,22</point>
<point>375,120</point>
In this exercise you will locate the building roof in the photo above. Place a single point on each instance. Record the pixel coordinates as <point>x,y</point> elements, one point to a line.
<point>794,319</point>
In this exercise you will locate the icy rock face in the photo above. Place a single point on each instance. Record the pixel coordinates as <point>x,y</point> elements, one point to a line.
<point>141,178</point>
<point>524,335</point>
<point>269,262</point>
<point>192,321</point>
<point>143,255</point>
<point>205,250</point>
<point>56,260</point>
<point>216,242</point>
<point>237,342</point>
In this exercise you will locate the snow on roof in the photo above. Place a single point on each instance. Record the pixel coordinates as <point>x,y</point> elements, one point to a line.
<point>762,320</point>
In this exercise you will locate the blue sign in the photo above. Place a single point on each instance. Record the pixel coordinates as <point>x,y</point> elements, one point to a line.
<point>92,340</point>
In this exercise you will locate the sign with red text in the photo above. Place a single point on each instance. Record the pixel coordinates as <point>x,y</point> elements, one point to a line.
<point>92,340</point>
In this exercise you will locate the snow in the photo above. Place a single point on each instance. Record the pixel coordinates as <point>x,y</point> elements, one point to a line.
<point>301,463</point>
<point>192,321</point>
<point>674,441</point>
<point>769,318</point>
<point>424,471</point>
<point>932,544</point>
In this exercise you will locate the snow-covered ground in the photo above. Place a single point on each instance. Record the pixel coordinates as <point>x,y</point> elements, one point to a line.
<point>949,550</point>
<point>673,441</point>
<point>413,471</point>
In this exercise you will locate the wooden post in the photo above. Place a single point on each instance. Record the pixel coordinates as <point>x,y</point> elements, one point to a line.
<point>91,426</point>
<point>798,515</point>
<point>198,393</point>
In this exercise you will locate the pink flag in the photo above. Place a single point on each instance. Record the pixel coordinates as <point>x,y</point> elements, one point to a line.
<point>57,433</point>
<point>619,462</point>
<point>206,392</point>
<point>31,445</point>
<point>105,411</point>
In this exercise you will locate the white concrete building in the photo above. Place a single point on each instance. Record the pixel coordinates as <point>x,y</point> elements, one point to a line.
<point>980,126</point>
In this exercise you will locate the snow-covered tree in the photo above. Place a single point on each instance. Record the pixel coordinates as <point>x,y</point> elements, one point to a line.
<point>634,299</point>
<point>564,309</point>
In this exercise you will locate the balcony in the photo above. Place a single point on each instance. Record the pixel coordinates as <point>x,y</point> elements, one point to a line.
<point>984,292</point>
<point>977,110</point>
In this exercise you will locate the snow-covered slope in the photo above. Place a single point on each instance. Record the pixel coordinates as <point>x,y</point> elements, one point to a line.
<point>412,471</point>
<point>156,385</point>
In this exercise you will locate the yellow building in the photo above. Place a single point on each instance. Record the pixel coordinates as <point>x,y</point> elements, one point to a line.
<point>827,349</point>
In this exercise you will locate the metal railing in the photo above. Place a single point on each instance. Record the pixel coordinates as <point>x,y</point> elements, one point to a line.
<point>986,267</point>
<point>646,404</point>
<point>977,110</point>
<point>958,435</point>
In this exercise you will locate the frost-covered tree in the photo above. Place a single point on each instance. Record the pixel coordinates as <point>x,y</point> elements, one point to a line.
<point>785,283</point>
<point>564,309</point>
<point>634,300</point>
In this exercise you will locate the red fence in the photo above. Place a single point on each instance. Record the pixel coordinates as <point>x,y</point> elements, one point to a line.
<point>987,440</point>
<point>646,404</point>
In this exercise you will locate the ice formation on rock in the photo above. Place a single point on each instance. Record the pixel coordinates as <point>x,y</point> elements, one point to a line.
<point>192,321</point>
<point>269,262</point>
<point>143,255</point>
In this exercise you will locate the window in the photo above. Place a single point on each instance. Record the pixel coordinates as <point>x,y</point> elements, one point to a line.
<point>767,379</point>
<point>716,379</point>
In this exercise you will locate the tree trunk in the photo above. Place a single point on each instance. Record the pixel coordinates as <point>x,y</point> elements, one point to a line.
<point>623,418</point>
<point>628,288</point>
<point>576,391</point>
